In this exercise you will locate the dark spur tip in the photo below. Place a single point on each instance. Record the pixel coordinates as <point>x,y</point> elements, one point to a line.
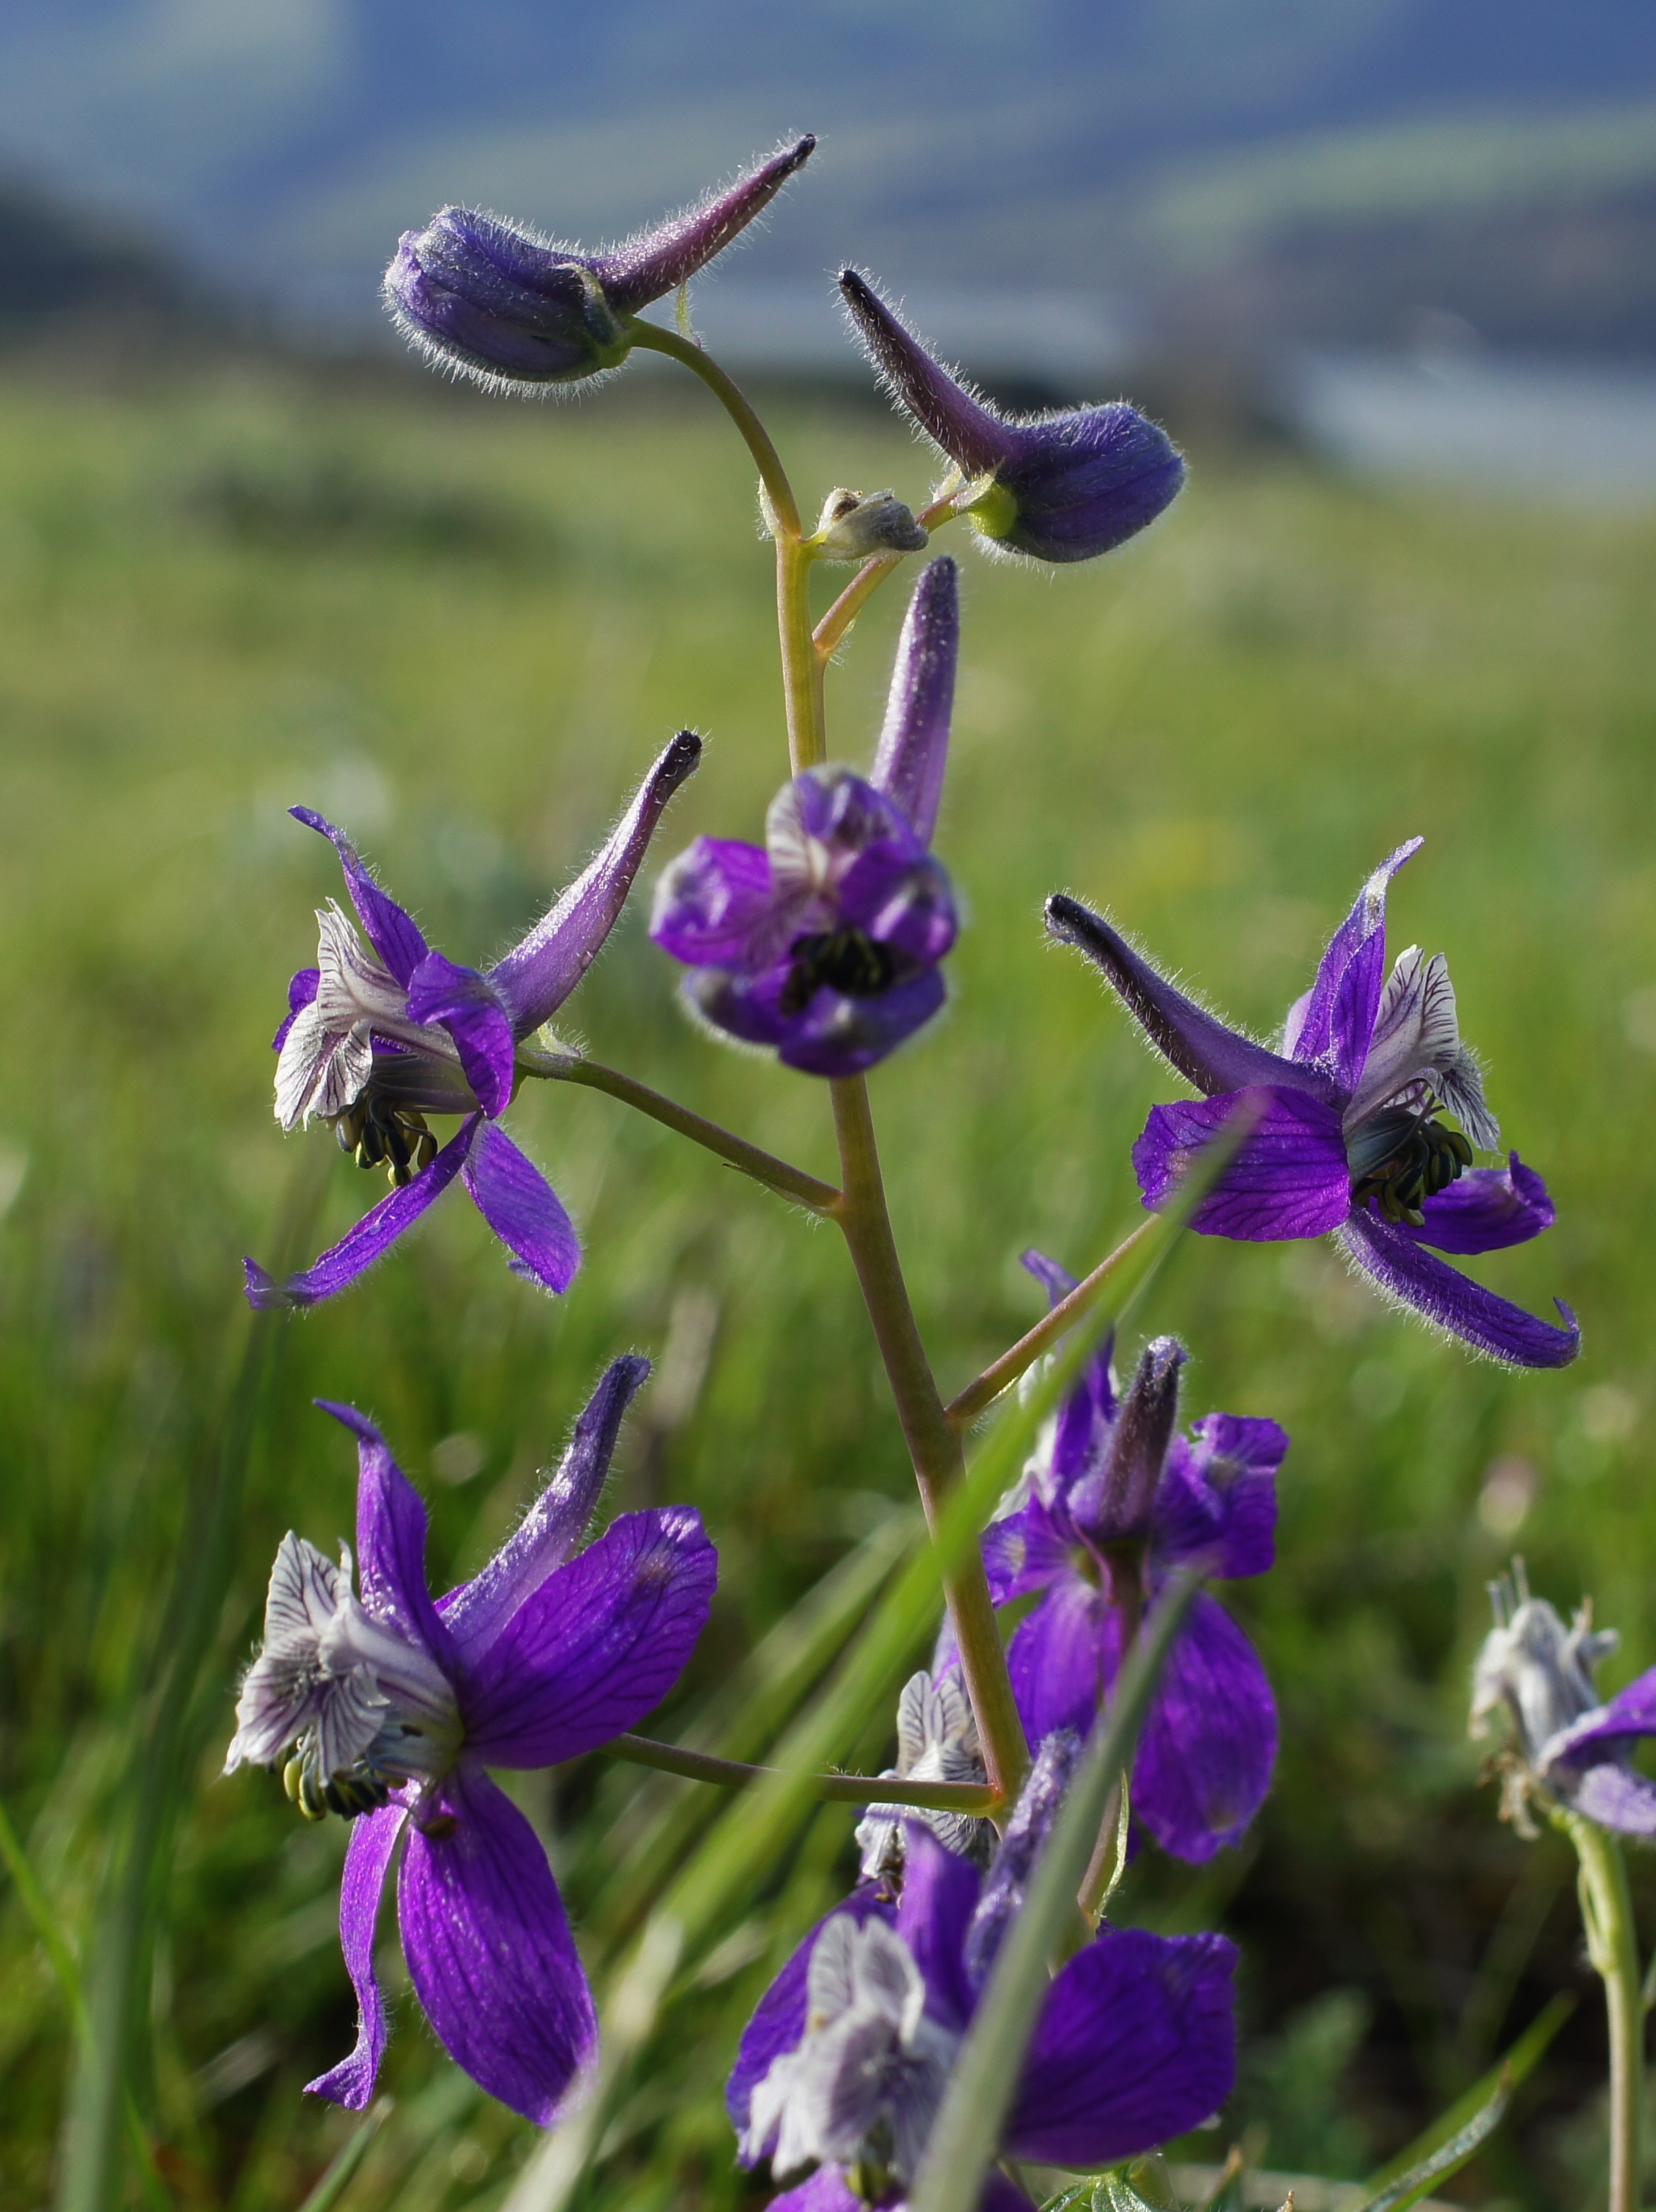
<point>681,759</point>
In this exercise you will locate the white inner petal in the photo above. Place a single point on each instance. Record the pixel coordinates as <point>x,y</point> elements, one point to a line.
<point>1417,1042</point>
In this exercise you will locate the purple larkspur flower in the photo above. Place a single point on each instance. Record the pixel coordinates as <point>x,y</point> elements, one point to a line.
<point>496,301</point>
<point>378,1036</point>
<point>847,2058</point>
<point>1113,1501</point>
<point>824,945</point>
<point>1346,1135</point>
<point>1064,486</point>
<point>394,1704</point>
<point>1566,1745</point>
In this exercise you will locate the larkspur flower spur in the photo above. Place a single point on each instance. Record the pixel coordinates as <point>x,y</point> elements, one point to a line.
<point>1114,1499</point>
<point>380,1035</point>
<point>1346,1136</point>
<point>389,1706</point>
<point>823,946</point>
<point>1062,487</point>
<point>499,303</point>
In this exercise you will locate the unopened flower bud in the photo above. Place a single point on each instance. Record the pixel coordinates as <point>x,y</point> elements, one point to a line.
<point>852,524</point>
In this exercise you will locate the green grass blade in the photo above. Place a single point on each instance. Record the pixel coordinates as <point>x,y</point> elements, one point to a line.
<point>344,2168</point>
<point>1448,2158</point>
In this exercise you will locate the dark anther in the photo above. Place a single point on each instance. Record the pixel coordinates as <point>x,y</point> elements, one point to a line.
<point>1399,1160</point>
<point>848,960</point>
<point>349,1793</point>
<point>378,1134</point>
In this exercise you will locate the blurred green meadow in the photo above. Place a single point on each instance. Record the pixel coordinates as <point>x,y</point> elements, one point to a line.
<point>462,628</point>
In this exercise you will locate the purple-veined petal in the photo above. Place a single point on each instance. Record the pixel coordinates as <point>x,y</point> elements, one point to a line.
<point>971,436</point>
<point>940,1894</point>
<point>1205,1050</point>
<point>394,934</point>
<point>301,993</point>
<point>476,1613</point>
<point>536,976</point>
<point>1216,1502</point>
<point>1400,1269</point>
<point>1210,1740</point>
<point>597,1646</point>
<point>368,1859</point>
<point>1289,1176</point>
<point>1059,1656</point>
<point>777,2025</point>
<point>489,1951</point>
<point>391,1540</point>
<point>658,261</point>
<point>710,901</point>
<point>522,1210</point>
<point>462,1000</point>
<point>1136,2044</point>
<point>373,1237</point>
<point>914,748</point>
<point>1487,1210</point>
<point>1335,1020</point>
<point>1616,1797</point>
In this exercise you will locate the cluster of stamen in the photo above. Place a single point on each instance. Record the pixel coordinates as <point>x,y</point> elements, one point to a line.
<point>846,960</point>
<point>1417,1158</point>
<point>378,1133</point>
<point>349,1791</point>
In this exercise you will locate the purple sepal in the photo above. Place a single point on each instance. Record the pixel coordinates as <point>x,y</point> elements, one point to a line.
<point>1205,1050</point>
<point>1616,1797</point>
<point>1400,1269</point>
<point>489,1951</point>
<point>914,748</point>
<point>500,304</point>
<point>1215,1510</point>
<point>597,1645</point>
<point>835,1035</point>
<point>476,1613</point>
<point>1487,1210</point>
<point>391,1540</point>
<point>710,901</point>
<point>658,261</point>
<point>1136,2044</point>
<point>1204,1760</point>
<point>394,934</point>
<point>368,1860</point>
<point>373,1234</point>
<point>1334,1022</point>
<point>1630,1714</point>
<point>522,1210</point>
<point>301,993</point>
<point>1057,1282</point>
<point>1289,1176</point>
<point>940,1894</point>
<point>535,978</point>
<point>441,991</point>
<point>1063,1655</point>
<point>778,2022</point>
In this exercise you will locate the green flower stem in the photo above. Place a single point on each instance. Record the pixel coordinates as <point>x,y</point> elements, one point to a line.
<point>978,1396</point>
<point>934,1444</point>
<point>838,1789</point>
<point>829,634</point>
<point>738,407</point>
<point>1613,1948</point>
<point>776,1175</point>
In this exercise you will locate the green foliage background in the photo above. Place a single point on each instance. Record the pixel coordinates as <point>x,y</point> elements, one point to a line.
<point>463,630</point>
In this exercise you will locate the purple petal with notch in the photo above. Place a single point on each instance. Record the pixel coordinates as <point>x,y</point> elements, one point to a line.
<point>1487,1210</point>
<point>710,901</point>
<point>914,748</point>
<point>1289,1176</point>
<point>1216,1502</point>
<point>373,1234</point>
<point>476,1613</point>
<point>650,266</point>
<point>1403,1271</point>
<point>777,2025</point>
<point>1209,1741</point>
<point>394,934</point>
<point>489,1951</point>
<point>1136,2044</point>
<point>1059,1657</point>
<point>1205,1050</point>
<point>536,977</point>
<point>1334,1021</point>
<point>524,1211</point>
<point>368,1859</point>
<point>597,1646</point>
<point>301,993</point>
<point>440,990</point>
<point>391,1540</point>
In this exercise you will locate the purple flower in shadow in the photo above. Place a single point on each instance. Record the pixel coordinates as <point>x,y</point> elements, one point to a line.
<point>824,945</point>
<point>1113,1500</point>
<point>847,2058</point>
<point>1346,1136</point>
<point>1565,1745</point>
<point>378,1036</point>
<point>499,303</point>
<point>392,1705</point>
<point>1061,487</point>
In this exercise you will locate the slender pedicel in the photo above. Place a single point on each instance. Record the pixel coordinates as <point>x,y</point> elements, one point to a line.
<point>972,1800</point>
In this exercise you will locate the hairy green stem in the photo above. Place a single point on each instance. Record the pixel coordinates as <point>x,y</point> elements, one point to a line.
<point>978,1396</point>
<point>835,1788</point>
<point>1613,1948</point>
<point>934,1444</point>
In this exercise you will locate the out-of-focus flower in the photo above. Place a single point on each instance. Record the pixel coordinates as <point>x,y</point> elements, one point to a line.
<point>378,1036</point>
<point>1060,487</point>
<point>824,945</point>
<point>1116,1501</point>
<point>1345,1135</point>
<point>497,302</point>
<point>393,1705</point>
